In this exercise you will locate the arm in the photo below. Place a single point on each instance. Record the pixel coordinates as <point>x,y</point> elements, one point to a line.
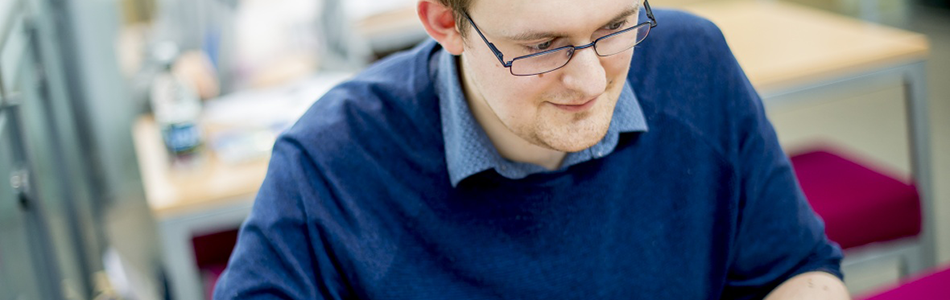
<point>781,248</point>
<point>810,285</point>
<point>775,235</point>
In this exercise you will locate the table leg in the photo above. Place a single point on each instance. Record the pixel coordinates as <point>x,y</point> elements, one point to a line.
<point>918,118</point>
<point>178,251</point>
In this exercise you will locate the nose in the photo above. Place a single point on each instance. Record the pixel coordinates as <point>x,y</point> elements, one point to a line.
<point>585,73</point>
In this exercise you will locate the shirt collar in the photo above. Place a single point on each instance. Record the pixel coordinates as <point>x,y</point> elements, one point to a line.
<point>468,150</point>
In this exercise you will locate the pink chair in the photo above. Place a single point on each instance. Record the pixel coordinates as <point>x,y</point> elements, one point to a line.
<point>861,206</point>
<point>212,252</point>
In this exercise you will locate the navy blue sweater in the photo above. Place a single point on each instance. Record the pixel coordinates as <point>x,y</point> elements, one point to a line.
<point>357,202</point>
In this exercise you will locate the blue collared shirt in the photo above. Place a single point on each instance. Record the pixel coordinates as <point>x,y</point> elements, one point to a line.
<point>468,150</point>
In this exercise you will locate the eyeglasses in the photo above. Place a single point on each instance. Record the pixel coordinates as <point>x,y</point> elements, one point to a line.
<point>550,60</point>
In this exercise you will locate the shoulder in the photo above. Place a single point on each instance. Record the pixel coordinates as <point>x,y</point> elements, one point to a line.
<point>677,23</point>
<point>685,76</point>
<point>375,112</point>
<point>685,51</point>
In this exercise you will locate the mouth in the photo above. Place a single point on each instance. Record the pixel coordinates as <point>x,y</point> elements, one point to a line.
<point>577,107</point>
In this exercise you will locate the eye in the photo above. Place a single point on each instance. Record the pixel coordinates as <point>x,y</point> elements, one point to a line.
<point>542,46</point>
<point>616,25</point>
<point>538,47</point>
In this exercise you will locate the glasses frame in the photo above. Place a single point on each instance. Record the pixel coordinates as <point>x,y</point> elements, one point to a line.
<point>501,57</point>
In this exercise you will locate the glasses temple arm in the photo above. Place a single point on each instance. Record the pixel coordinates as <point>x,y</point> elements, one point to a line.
<point>649,12</point>
<point>491,46</point>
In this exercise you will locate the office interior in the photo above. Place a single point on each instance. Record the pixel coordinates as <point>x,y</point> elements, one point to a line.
<point>134,133</point>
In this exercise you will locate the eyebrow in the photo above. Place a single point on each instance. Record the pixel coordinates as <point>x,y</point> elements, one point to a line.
<point>531,36</point>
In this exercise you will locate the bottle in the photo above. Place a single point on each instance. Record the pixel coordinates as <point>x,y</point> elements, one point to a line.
<point>177,109</point>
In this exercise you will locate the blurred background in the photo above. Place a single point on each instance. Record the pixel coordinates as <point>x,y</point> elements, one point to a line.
<point>135,133</point>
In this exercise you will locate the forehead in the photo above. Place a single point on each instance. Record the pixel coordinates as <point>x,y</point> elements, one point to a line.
<point>547,15</point>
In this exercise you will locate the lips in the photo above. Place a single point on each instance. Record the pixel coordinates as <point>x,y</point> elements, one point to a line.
<point>577,107</point>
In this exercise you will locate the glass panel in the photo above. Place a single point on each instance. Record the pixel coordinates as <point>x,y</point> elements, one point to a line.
<point>17,273</point>
<point>541,63</point>
<point>620,42</point>
<point>53,199</point>
<point>39,256</point>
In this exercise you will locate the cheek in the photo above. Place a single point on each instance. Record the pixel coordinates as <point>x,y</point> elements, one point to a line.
<point>616,66</point>
<point>516,103</point>
<point>520,92</point>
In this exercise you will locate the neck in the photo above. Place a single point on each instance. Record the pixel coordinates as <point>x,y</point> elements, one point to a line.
<point>507,143</point>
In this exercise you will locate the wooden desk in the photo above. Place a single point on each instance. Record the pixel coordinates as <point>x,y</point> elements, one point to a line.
<point>176,191</point>
<point>783,46</point>
<point>785,50</point>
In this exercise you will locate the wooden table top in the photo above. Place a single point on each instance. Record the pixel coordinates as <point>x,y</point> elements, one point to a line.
<point>172,190</point>
<point>781,45</point>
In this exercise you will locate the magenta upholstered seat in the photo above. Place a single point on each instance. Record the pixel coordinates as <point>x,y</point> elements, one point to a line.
<point>859,205</point>
<point>934,286</point>
<point>212,252</point>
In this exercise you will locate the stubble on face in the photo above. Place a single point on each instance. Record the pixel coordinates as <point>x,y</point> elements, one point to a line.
<point>572,132</point>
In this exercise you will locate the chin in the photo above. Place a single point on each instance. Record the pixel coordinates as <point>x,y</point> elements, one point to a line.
<point>576,146</point>
<point>575,140</point>
<point>580,136</point>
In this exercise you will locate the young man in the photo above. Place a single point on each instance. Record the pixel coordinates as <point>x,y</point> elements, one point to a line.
<point>537,150</point>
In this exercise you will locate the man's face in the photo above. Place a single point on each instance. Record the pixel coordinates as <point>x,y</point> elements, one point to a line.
<point>568,109</point>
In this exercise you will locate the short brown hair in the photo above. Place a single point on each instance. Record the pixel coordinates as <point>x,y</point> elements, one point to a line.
<point>459,10</point>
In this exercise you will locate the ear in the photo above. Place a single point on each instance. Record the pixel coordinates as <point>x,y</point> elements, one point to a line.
<point>439,22</point>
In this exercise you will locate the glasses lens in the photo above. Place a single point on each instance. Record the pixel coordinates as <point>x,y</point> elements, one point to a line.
<point>622,41</point>
<point>542,62</point>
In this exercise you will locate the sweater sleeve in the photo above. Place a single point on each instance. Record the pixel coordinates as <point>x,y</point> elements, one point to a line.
<point>778,234</point>
<point>278,254</point>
